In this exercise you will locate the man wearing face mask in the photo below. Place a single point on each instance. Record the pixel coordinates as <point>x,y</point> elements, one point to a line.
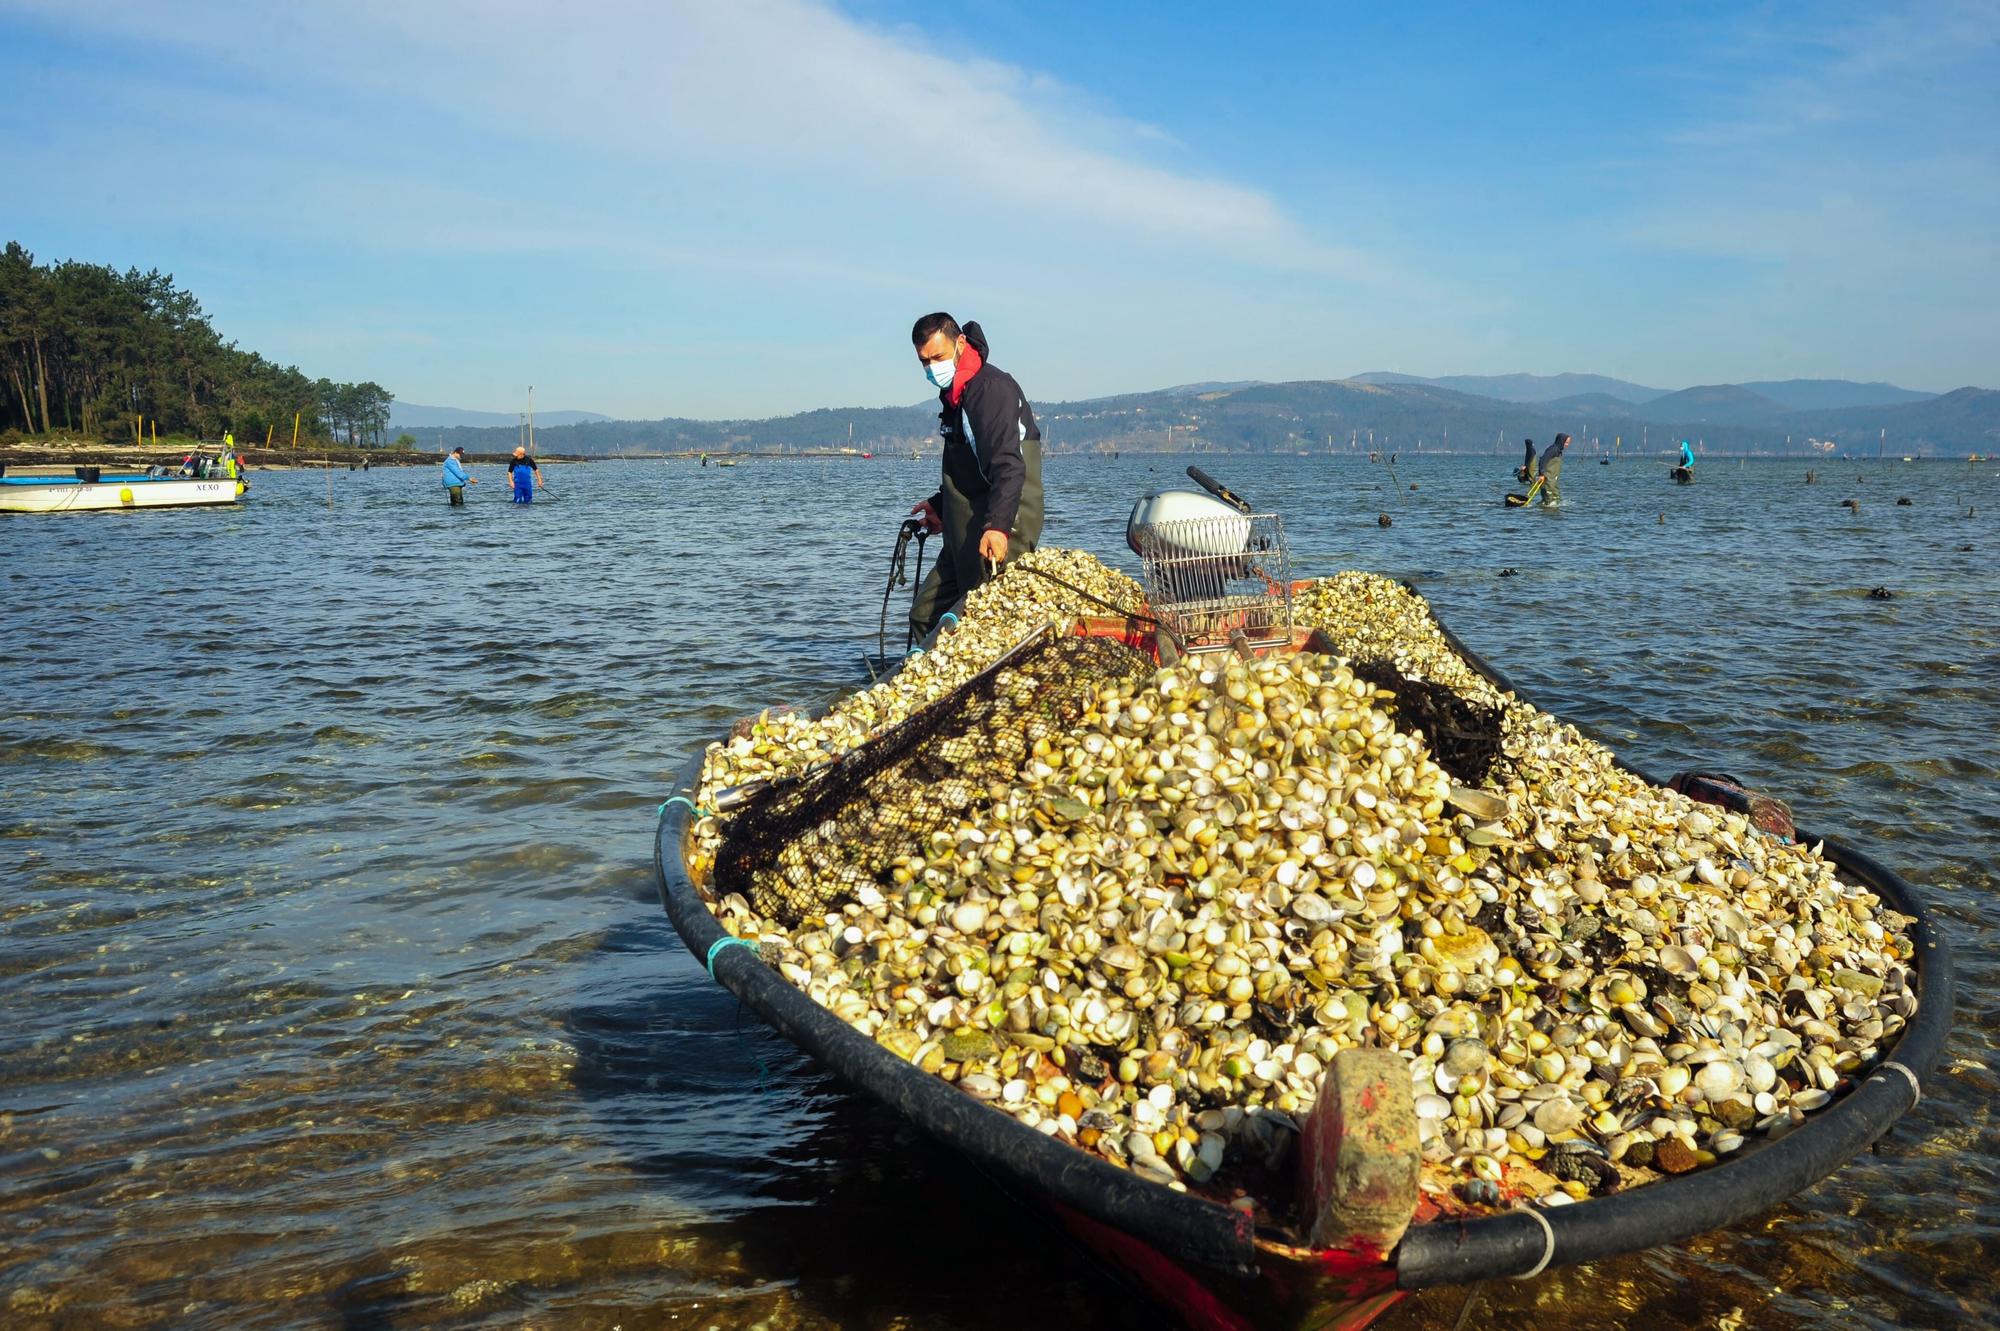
<point>989,505</point>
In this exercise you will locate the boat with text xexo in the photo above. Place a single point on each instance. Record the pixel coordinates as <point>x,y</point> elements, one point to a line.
<point>91,489</point>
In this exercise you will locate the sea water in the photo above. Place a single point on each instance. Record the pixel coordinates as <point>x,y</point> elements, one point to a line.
<point>338,993</point>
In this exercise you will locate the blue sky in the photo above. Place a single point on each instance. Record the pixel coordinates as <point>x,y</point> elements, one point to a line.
<point>737,208</point>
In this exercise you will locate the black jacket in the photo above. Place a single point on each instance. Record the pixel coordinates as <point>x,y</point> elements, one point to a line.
<point>988,467</point>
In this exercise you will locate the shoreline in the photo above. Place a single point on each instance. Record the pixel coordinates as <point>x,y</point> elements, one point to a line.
<point>77,452</point>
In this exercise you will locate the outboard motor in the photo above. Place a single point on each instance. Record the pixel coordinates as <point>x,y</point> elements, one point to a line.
<point>1213,569</point>
<point>1198,541</point>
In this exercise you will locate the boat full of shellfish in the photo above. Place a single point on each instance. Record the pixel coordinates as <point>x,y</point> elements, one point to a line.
<point>1298,969</point>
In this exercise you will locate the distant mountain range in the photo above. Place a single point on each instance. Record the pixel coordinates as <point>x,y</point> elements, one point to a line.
<point>1382,411</point>
<point>1524,387</point>
<point>1595,392</point>
<point>415,416</point>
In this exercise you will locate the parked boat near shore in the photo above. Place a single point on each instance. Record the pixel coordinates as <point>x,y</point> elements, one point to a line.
<point>90,489</point>
<point>1219,1265</point>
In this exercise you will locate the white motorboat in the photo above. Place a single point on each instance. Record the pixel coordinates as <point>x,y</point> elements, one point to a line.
<point>92,489</point>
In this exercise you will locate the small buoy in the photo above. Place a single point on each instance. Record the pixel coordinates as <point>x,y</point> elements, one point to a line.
<point>1382,520</point>
<point>1881,594</point>
<point>124,494</point>
<point>1854,504</point>
<point>1413,485</point>
<point>1965,549</point>
<point>1510,572</point>
<point>1903,502</point>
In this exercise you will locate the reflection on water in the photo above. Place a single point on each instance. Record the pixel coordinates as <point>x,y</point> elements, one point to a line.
<point>340,996</point>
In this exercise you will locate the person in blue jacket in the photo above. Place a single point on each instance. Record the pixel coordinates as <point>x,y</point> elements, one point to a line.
<point>527,476</point>
<point>456,478</point>
<point>1687,456</point>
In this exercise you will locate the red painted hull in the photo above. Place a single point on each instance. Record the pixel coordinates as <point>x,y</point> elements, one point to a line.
<point>1292,1289</point>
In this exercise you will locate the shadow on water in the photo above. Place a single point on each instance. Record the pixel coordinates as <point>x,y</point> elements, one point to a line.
<point>802,1192</point>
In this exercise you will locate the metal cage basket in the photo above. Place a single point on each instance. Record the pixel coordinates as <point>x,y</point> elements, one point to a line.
<point>1209,579</point>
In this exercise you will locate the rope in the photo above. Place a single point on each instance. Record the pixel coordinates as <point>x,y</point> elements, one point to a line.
<point>1916,1086</point>
<point>897,576</point>
<point>1549,1243</point>
<point>693,808</point>
<point>1046,576</point>
<point>723,944</point>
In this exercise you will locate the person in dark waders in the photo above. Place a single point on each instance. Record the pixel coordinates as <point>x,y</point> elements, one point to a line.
<point>526,476</point>
<point>989,504</point>
<point>1549,472</point>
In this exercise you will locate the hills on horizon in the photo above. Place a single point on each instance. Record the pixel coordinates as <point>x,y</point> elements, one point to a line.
<point>1767,397</point>
<point>1379,410</point>
<point>416,416</point>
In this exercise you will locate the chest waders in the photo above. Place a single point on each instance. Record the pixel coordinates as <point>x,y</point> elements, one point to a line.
<point>959,569</point>
<point>1552,470</point>
<point>524,485</point>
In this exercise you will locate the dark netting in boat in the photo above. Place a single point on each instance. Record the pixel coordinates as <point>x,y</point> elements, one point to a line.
<point>1463,736</point>
<point>802,846</point>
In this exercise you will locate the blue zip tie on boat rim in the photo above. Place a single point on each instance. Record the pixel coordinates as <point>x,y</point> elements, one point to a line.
<point>728,941</point>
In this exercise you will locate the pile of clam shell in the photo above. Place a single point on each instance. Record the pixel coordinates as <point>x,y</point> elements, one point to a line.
<point>1153,944</point>
<point>997,615</point>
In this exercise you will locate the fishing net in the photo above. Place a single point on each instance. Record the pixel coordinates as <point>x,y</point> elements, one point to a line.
<point>799,848</point>
<point>1463,736</point>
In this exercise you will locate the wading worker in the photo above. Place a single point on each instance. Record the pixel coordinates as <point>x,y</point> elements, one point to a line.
<point>1549,471</point>
<point>456,478</point>
<point>526,476</point>
<point>1526,471</point>
<point>989,504</point>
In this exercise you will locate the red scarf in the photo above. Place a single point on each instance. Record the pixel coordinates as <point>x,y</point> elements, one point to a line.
<point>969,363</point>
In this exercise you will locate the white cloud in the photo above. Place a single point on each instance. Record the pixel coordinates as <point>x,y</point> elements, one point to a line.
<point>785,87</point>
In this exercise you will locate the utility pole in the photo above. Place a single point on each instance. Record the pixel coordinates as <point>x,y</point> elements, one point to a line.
<point>531,420</point>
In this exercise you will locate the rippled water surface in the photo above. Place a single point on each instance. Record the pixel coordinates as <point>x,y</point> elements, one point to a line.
<point>337,993</point>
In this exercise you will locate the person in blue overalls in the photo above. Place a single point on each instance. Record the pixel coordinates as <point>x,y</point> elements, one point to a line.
<point>527,476</point>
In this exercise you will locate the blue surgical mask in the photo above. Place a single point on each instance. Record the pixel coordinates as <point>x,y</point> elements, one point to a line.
<point>942,372</point>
